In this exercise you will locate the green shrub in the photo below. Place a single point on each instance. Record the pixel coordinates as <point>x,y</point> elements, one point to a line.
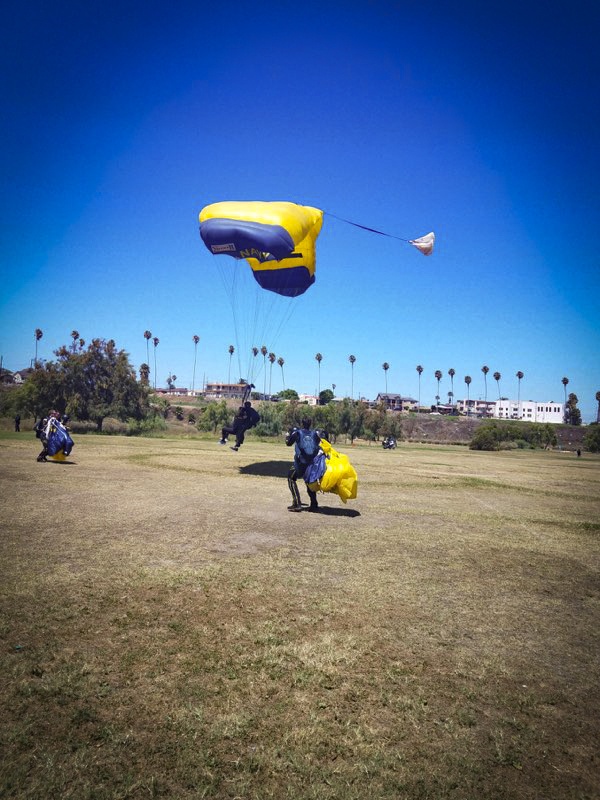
<point>496,434</point>
<point>80,426</point>
<point>270,419</point>
<point>484,439</point>
<point>591,440</point>
<point>114,427</point>
<point>145,427</point>
<point>522,444</point>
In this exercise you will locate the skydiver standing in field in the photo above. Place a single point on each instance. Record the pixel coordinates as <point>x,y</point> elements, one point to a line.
<point>42,431</point>
<point>306,441</point>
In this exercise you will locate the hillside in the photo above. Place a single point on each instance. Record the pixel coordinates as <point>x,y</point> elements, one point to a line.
<point>459,430</point>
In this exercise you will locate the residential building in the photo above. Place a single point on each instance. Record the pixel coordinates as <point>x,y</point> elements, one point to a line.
<point>476,408</point>
<point>527,410</point>
<point>310,399</point>
<point>530,410</point>
<point>396,402</point>
<point>174,390</point>
<point>225,391</point>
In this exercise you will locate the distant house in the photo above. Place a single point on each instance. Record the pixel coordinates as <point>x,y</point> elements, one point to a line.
<point>175,390</point>
<point>22,375</point>
<point>310,399</point>
<point>396,402</point>
<point>476,408</point>
<point>225,391</point>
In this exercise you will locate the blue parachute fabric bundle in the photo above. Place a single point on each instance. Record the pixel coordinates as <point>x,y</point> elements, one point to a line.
<point>59,439</point>
<point>315,471</point>
<point>243,239</point>
<point>291,282</point>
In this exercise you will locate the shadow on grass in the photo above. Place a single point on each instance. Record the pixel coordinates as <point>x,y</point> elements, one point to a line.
<point>280,469</point>
<point>338,512</point>
<point>267,469</point>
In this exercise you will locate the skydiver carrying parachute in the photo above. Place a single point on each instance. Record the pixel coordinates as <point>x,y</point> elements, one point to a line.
<point>55,438</point>
<point>322,467</point>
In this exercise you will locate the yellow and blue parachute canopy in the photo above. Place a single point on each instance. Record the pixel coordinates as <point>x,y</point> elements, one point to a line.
<point>277,239</point>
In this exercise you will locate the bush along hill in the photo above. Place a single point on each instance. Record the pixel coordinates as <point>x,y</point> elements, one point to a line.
<point>507,435</point>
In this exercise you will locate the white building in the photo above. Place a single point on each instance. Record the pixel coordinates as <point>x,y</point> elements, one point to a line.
<point>526,410</point>
<point>311,399</point>
<point>530,411</point>
<point>476,408</point>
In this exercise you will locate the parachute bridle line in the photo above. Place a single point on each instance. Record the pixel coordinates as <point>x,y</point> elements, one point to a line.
<point>366,228</point>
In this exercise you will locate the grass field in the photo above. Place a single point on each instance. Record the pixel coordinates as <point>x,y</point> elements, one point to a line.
<point>170,630</point>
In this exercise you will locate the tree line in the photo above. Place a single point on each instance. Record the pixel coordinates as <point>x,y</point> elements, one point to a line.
<point>92,383</point>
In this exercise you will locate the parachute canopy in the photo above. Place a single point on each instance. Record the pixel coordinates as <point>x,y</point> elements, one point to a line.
<point>424,243</point>
<point>277,240</point>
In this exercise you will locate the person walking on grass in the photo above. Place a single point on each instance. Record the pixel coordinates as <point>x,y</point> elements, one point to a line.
<point>306,442</point>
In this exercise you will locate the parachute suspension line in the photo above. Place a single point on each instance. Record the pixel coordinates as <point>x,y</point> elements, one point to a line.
<point>228,273</point>
<point>365,228</point>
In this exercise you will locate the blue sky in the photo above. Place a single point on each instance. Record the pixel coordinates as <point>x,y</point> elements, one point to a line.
<point>479,121</point>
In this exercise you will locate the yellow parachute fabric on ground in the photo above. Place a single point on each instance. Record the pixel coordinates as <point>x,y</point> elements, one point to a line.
<point>340,476</point>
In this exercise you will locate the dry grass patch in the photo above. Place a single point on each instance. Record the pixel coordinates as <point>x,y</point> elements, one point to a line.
<point>169,630</point>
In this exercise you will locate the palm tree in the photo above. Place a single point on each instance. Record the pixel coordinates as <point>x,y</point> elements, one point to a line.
<point>231,352</point>
<point>385,366</point>
<point>452,373</point>
<point>144,374</point>
<point>281,362</point>
<point>520,377</point>
<point>598,411</point>
<point>565,382</point>
<point>264,352</point>
<point>420,371</point>
<point>38,333</point>
<point>497,377</point>
<point>468,382</point>
<point>147,337</point>
<point>438,377</point>
<point>352,360</point>
<point>195,340</point>
<point>272,359</point>
<point>155,342</point>
<point>485,371</point>
<point>74,336</point>
<point>318,359</point>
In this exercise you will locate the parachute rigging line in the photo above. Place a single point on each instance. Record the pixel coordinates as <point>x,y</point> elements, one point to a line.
<point>424,244</point>
<point>365,228</point>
